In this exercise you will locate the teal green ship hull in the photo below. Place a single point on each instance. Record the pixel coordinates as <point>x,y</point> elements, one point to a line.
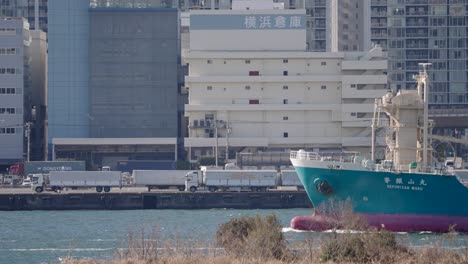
<point>399,200</point>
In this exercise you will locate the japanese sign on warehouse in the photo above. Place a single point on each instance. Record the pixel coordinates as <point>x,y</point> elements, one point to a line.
<point>247,22</point>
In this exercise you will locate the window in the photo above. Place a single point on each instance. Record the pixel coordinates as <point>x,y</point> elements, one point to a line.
<point>323,87</point>
<point>7,51</point>
<point>2,110</point>
<point>209,88</point>
<point>254,101</point>
<point>285,61</point>
<point>353,114</point>
<point>7,31</point>
<point>285,87</point>
<point>285,101</point>
<point>247,87</point>
<point>353,86</point>
<point>285,73</point>
<point>10,90</point>
<point>323,63</point>
<point>10,130</point>
<point>209,62</point>
<point>254,73</point>
<point>10,110</point>
<point>285,134</point>
<point>247,61</point>
<point>285,118</point>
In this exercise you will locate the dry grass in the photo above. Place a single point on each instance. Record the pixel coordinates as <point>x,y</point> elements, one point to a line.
<point>258,240</point>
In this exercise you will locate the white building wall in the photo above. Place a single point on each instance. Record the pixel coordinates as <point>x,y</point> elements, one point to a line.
<point>221,30</point>
<point>15,87</point>
<point>277,99</point>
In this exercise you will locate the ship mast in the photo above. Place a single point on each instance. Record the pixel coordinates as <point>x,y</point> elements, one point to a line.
<point>423,87</point>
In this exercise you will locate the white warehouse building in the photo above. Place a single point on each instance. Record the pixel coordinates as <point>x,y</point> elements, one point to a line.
<point>253,87</point>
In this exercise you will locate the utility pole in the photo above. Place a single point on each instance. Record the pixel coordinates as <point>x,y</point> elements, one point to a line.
<point>27,125</point>
<point>216,148</point>
<point>228,131</point>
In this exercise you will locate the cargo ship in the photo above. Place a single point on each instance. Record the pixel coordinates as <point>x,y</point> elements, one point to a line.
<point>401,193</point>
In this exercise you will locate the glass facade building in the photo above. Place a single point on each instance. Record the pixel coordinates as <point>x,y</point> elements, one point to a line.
<point>33,10</point>
<point>68,93</point>
<point>420,31</point>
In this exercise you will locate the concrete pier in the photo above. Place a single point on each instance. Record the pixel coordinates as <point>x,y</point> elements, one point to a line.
<point>153,200</point>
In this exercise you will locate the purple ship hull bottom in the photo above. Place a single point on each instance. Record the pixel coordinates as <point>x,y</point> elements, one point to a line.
<point>391,222</point>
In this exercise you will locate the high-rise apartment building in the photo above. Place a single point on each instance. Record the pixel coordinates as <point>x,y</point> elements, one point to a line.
<point>421,31</point>
<point>35,11</point>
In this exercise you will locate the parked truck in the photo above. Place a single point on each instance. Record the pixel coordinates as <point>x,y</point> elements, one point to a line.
<point>58,180</point>
<point>231,180</point>
<point>131,165</point>
<point>290,179</point>
<point>44,167</point>
<point>160,179</point>
<point>454,163</point>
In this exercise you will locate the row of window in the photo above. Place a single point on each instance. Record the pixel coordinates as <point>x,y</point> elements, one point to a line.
<point>7,130</point>
<point>7,51</point>
<point>7,110</point>
<point>8,71</point>
<point>9,91</point>
<point>285,87</point>
<point>8,31</point>
<point>322,63</point>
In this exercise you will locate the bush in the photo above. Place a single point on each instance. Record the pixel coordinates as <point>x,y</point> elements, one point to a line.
<point>253,237</point>
<point>367,247</point>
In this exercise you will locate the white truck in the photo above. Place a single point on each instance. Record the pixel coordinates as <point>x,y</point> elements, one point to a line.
<point>231,180</point>
<point>454,163</point>
<point>58,180</point>
<point>160,179</point>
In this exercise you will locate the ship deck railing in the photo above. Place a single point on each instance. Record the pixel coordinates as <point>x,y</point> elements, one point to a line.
<point>353,157</point>
<point>328,156</point>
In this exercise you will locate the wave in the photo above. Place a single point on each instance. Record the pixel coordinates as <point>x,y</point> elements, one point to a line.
<point>104,240</point>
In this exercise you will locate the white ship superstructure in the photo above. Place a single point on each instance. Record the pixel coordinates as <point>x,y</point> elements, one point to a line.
<point>253,86</point>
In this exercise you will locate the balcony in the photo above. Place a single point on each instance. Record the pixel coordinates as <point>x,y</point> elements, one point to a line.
<point>417,13</point>
<point>422,2</point>
<point>416,24</point>
<point>379,35</point>
<point>377,25</point>
<point>417,46</point>
<point>378,13</point>
<point>379,2</point>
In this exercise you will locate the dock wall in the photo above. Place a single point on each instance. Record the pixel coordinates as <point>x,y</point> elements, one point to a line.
<point>160,200</point>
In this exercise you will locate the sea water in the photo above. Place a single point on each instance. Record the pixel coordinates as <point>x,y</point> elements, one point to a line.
<point>49,236</point>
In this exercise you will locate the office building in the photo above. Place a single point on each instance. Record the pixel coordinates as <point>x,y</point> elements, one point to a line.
<point>115,97</point>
